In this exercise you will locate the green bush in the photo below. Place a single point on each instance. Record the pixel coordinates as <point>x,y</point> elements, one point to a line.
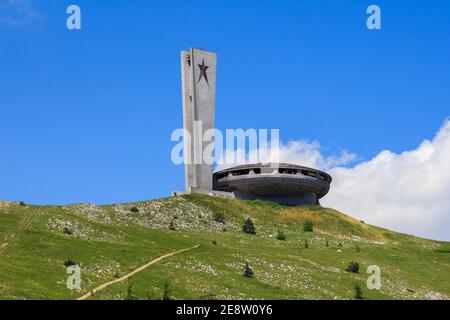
<point>166,291</point>
<point>281,235</point>
<point>134,209</point>
<point>130,292</point>
<point>172,225</point>
<point>359,294</point>
<point>219,216</point>
<point>249,227</point>
<point>327,243</point>
<point>69,263</point>
<point>67,231</point>
<point>22,203</point>
<point>308,226</point>
<point>248,272</point>
<point>214,242</point>
<point>357,248</point>
<point>306,244</point>
<point>353,267</point>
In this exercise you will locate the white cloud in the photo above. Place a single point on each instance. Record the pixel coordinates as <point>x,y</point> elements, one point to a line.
<point>299,152</point>
<point>407,192</point>
<point>16,13</point>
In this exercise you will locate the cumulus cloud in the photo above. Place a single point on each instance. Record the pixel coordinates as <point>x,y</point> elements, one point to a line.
<point>16,13</point>
<point>302,152</point>
<point>407,192</point>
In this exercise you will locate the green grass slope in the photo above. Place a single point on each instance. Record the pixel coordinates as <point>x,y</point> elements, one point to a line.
<point>108,242</point>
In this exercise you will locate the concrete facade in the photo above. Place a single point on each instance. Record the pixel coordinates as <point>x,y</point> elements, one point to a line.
<point>198,75</point>
<point>283,183</point>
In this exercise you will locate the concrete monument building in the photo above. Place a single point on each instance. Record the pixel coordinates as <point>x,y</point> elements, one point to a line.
<point>281,182</point>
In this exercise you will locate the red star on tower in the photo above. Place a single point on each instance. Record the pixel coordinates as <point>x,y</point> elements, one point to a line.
<point>203,67</point>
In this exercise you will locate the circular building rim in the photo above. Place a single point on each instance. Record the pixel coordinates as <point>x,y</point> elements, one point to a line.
<point>283,168</point>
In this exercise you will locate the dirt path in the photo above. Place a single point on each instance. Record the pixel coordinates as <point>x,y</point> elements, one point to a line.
<point>24,223</point>
<point>125,277</point>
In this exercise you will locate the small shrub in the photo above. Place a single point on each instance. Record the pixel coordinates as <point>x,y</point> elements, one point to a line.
<point>130,292</point>
<point>248,272</point>
<point>327,243</point>
<point>281,235</point>
<point>308,226</point>
<point>166,291</point>
<point>306,244</point>
<point>172,225</point>
<point>134,209</point>
<point>353,267</point>
<point>359,294</point>
<point>214,242</point>
<point>362,221</point>
<point>67,231</point>
<point>339,244</point>
<point>357,248</point>
<point>249,227</point>
<point>219,216</point>
<point>21,203</point>
<point>69,263</point>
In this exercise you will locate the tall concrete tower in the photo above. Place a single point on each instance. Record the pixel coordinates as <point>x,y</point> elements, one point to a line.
<point>198,74</point>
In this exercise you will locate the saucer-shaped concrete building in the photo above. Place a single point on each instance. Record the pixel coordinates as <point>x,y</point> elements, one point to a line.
<point>283,183</point>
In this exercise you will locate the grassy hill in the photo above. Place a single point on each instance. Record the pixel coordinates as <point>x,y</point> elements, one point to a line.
<point>109,241</point>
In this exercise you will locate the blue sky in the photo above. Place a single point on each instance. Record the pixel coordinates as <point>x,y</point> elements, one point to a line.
<point>86,116</point>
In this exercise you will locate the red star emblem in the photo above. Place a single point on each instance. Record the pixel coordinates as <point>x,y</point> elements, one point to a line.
<point>203,67</point>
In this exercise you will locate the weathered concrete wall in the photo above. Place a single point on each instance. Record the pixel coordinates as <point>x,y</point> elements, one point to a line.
<point>216,193</point>
<point>301,198</point>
